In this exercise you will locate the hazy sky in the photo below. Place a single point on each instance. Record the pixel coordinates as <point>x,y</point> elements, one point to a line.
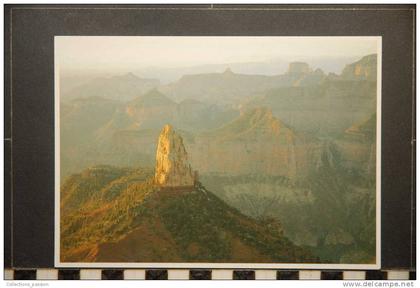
<point>117,52</point>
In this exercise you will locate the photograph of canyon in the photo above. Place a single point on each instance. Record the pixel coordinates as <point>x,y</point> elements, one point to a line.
<point>217,149</point>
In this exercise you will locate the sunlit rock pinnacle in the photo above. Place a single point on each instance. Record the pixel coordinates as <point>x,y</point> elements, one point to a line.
<point>172,166</point>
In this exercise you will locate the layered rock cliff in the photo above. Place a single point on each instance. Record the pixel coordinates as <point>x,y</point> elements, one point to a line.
<point>364,69</point>
<point>254,143</point>
<point>172,166</point>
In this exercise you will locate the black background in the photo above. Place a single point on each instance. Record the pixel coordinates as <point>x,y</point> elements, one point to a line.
<point>29,99</point>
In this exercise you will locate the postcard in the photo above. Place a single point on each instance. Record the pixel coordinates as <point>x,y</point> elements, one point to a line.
<point>217,152</point>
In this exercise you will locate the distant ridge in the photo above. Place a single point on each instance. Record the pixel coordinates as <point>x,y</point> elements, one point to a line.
<point>364,69</point>
<point>120,87</point>
<point>256,122</point>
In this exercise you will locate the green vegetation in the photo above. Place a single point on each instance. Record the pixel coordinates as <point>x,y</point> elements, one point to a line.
<point>107,203</point>
<point>212,225</point>
<point>201,226</point>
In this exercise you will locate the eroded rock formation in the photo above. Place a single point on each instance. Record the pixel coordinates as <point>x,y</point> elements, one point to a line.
<point>172,166</point>
<point>364,69</point>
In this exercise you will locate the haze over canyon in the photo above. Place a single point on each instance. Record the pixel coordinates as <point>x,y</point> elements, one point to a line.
<point>291,157</point>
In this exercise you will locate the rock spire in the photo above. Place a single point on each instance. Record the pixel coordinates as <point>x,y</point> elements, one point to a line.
<point>172,166</point>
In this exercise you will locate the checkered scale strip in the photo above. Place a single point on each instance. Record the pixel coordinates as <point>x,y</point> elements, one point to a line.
<point>203,274</point>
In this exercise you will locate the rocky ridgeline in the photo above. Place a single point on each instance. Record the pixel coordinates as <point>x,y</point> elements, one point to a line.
<point>172,165</point>
<point>364,69</point>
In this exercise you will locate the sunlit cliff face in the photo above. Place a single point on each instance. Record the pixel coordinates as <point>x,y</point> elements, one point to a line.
<point>172,166</point>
